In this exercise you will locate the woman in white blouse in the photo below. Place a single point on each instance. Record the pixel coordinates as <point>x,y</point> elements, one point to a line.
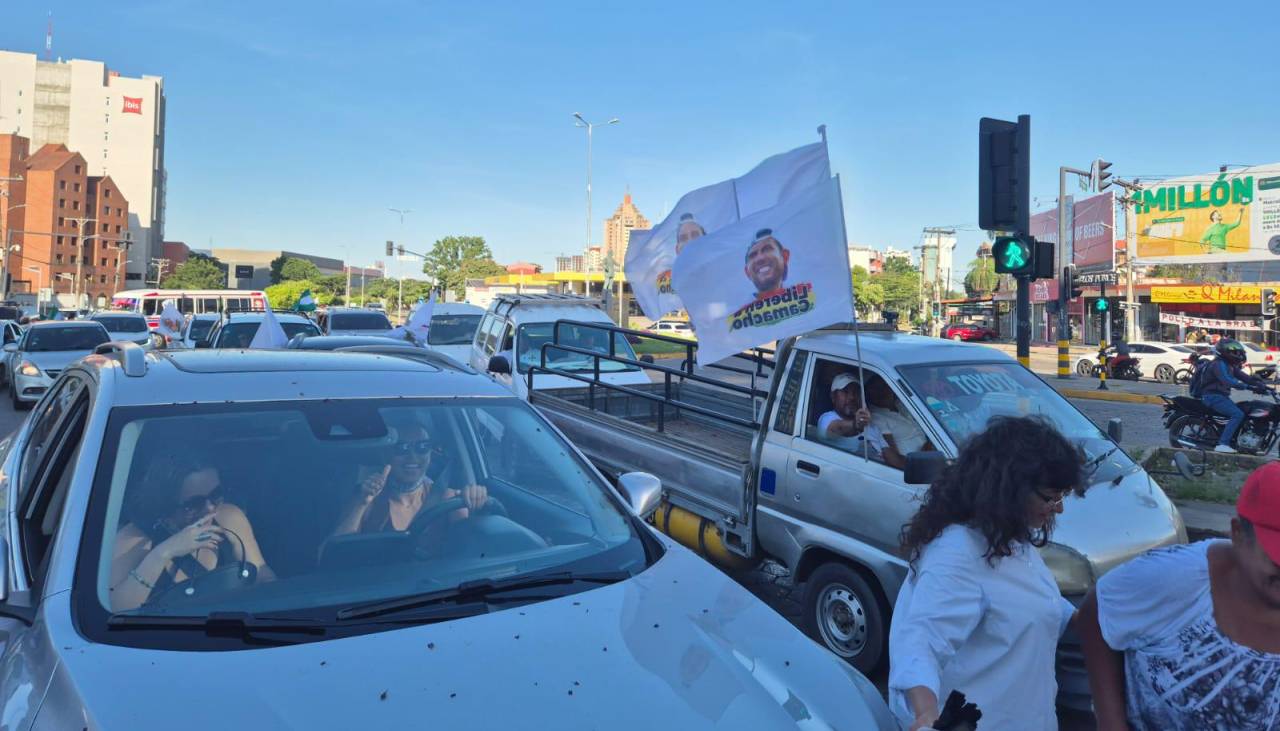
<point>980,612</point>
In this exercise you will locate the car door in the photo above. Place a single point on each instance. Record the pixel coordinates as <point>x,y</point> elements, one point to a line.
<point>854,493</point>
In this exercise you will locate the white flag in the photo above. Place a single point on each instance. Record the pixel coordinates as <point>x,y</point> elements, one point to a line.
<point>170,320</point>
<point>651,255</point>
<point>269,334</point>
<point>419,324</point>
<point>780,272</point>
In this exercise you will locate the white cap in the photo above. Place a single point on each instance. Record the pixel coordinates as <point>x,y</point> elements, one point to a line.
<point>842,381</point>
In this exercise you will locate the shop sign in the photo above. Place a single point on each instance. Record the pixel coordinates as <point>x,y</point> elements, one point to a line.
<point>1222,294</point>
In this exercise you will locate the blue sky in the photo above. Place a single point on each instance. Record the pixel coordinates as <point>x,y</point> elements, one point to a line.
<point>296,125</point>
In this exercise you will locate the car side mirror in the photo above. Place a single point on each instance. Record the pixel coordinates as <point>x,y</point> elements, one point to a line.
<point>499,365</point>
<point>642,490</point>
<point>1115,429</point>
<point>923,468</point>
<point>10,347</point>
<point>649,358</point>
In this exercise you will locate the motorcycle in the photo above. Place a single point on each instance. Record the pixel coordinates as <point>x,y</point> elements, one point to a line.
<point>1125,370</point>
<point>1192,425</point>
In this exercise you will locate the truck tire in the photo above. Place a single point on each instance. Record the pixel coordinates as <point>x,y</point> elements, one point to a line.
<point>842,612</point>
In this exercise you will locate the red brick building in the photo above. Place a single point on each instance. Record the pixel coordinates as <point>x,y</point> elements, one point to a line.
<point>68,229</point>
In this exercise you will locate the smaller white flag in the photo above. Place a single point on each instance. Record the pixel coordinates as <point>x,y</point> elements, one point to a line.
<point>170,320</point>
<point>419,325</point>
<point>270,334</point>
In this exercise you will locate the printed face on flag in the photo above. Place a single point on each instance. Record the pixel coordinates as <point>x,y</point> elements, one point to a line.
<point>777,273</point>
<point>650,257</point>
<point>170,320</point>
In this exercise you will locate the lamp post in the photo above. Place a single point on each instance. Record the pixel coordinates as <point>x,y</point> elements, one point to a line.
<point>82,222</point>
<point>590,127</point>
<point>400,297</point>
<point>8,246</point>
<point>39,282</point>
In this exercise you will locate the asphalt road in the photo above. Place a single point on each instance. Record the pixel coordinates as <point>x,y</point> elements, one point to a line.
<point>9,419</point>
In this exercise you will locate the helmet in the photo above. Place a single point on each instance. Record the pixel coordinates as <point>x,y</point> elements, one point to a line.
<point>1231,351</point>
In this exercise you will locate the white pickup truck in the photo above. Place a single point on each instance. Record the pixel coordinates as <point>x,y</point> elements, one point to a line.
<point>745,477</point>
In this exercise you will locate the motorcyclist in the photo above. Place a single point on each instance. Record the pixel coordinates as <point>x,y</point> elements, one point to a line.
<point>1122,356</point>
<point>1224,374</point>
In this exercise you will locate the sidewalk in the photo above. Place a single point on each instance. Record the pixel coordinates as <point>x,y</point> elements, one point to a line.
<point>1206,520</point>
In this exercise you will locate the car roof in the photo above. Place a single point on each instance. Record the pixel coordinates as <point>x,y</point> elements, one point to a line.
<point>889,350</point>
<point>456,308</point>
<point>219,376</point>
<point>207,316</point>
<point>350,310</point>
<point>64,323</point>
<point>333,342</point>
<point>260,316</point>
<point>551,313</point>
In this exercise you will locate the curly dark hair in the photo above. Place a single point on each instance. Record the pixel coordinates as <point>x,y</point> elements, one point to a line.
<point>999,471</point>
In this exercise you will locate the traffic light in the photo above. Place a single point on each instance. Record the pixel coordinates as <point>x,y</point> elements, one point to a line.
<point>1044,260</point>
<point>400,251</point>
<point>1099,176</point>
<point>1101,304</point>
<point>1015,255</point>
<point>1069,284</point>
<point>1268,302</point>
<point>391,248</point>
<point>1004,174</point>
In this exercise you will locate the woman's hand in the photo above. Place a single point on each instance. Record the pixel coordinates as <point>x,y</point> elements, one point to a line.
<point>373,484</point>
<point>474,495</point>
<point>202,534</point>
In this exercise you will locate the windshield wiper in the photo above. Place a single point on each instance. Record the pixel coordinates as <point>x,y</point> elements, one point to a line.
<point>222,624</point>
<point>1093,463</point>
<point>482,590</point>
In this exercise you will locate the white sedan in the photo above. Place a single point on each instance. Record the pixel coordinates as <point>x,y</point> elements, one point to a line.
<point>1259,361</point>
<point>1156,360</point>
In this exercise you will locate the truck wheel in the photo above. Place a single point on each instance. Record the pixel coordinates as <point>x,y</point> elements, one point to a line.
<point>843,613</point>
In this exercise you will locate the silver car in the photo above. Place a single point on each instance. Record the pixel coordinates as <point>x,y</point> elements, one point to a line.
<point>353,321</point>
<point>179,549</point>
<point>44,350</point>
<point>124,326</point>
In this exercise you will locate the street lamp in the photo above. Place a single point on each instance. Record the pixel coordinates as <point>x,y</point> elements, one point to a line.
<point>400,296</point>
<point>590,127</point>
<point>8,245</point>
<point>39,282</point>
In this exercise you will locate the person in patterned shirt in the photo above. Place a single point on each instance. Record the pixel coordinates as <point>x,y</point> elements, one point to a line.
<point>1188,637</point>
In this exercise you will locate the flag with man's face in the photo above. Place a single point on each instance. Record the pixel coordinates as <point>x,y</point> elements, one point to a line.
<point>780,272</point>
<point>171,320</point>
<point>652,254</point>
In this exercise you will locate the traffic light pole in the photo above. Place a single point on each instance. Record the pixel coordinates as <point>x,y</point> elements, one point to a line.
<point>1023,315</point>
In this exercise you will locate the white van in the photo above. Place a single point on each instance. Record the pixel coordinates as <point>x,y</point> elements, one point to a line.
<point>453,329</point>
<point>510,338</point>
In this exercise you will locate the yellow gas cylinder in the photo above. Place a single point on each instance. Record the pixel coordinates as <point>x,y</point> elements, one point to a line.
<point>699,534</point>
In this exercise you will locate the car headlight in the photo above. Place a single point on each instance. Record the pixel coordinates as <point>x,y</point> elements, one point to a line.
<point>1070,568</point>
<point>28,369</point>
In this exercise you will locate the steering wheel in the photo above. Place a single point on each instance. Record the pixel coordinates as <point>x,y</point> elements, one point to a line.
<point>439,511</point>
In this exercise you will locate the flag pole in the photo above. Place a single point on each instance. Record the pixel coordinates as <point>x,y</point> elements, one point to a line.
<point>853,308</point>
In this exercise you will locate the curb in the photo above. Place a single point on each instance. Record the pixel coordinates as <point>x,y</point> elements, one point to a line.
<point>1096,395</point>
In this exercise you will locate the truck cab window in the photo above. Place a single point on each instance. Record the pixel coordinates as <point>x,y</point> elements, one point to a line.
<point>835,399</point>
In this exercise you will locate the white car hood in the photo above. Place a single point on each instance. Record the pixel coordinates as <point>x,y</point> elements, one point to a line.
<point>55,359</point>
<point>681,646</point>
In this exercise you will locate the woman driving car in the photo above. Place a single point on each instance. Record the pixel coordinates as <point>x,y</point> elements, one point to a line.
<point>178,527</point>
<point>390,499</point>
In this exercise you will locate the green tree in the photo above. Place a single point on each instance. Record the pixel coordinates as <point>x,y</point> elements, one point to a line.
<point>981,278</point>
<point>285,294</point>
<point>202,273</point>
<point>455,259</point>
<point>294,269</point>
<point>331,284</point>
<point>868,296</point>
<point>277,264</point>
<point>901,285</point>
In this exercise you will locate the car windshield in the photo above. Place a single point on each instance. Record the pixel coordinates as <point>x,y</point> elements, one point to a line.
<point>1255,346</point>
<point>319,498</point>
<point>1180,348</point>
<point>79,337</point>
<point>122,323</point>
<point>240,334</point>
<point>453,329</point>
<point>965,396</point>
<point>358,321</point>
<point>199,329</point>
<point>532,336</point>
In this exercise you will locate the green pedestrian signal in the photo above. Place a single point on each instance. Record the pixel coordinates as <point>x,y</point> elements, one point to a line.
<point>1014,255</point>
<point>1101,305</point>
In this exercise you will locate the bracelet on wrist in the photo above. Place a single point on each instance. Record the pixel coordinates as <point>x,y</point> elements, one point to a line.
<point>138,578</point>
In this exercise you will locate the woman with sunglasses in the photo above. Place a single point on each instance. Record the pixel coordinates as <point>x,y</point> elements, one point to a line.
<point>178,525</point>
<point>980,612</point>
<point>389,500</point>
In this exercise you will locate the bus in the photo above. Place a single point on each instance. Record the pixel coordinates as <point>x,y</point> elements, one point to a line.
<point>149,302</point>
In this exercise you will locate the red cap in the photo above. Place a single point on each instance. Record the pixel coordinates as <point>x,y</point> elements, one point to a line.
<point>1259,504</point>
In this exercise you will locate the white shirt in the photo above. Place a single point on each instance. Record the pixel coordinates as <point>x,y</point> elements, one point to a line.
<point>990,632</point>
<point>854,443</point>
<point>907,435</point>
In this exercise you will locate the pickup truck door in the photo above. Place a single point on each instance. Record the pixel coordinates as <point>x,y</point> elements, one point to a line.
<point>836,487</point>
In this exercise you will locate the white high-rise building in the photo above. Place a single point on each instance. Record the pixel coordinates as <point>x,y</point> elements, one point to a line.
<point>115,122</point>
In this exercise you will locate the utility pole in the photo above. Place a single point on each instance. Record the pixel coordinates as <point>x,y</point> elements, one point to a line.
<point>80,247</point>
<point>1131,307</point>
<point>590,128</point>
<point>941,282</point>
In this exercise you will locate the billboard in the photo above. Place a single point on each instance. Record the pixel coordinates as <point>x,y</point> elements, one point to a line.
<point>1091,238</point>
<point>1213,218</point>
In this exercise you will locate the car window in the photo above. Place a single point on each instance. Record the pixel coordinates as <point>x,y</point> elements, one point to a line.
<point>44,420</point>
<point>290,474</point>
<point>240,334</point>
<point>893,431</point>
<point>10,334</point>
<point>122,323</point>
<point>532,336</point>
<point>198,330</point>
<point>789,395</point>
<point>453,329</point>
<point>489,342</point>
<point>359,321</point>
<point>70,337</point>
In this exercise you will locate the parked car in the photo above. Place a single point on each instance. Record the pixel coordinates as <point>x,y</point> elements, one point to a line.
<point>1158,360</point>
<point>124,326</point>
<point>1259,360</point>
<point>553,606</point>
<point>352,321</point>
<point>966,331</point>
<point>749,476</point>
<point>453,328</point>
<point>674,328</point>
<point>237,329</point>
<point>513,331</point>
<point>11,332</point>
<point>198,328</point>
<point>44,350</point>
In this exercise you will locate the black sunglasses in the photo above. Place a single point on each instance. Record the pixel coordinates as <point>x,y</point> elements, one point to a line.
<point>1052,501</point>
<point>422,446</point>
<point>196,504</point>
